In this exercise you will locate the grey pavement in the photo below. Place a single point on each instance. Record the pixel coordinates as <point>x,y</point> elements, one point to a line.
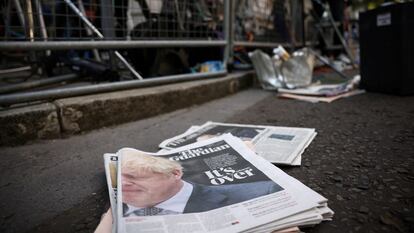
<point>43,180</point>
<point>362,160</point>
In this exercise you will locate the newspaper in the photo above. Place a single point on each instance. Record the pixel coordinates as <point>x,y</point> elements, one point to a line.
<point>316,99</point>
<point>111,161</point>
<point>324,89</point>
<point>223,187</point>
<point>280,145</point>
<point>317,90</point>
<point>111,164</point>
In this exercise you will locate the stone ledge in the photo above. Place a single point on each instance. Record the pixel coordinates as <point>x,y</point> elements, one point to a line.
<point>85,113</point>
<point>78,114</point>
<point>27,123</point>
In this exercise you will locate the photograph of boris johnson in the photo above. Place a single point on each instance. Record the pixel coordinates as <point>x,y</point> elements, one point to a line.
<point>201,179</point>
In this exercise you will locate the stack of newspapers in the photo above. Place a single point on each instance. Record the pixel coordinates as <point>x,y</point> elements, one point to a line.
<point>279,145</point>
<point>217,184</point>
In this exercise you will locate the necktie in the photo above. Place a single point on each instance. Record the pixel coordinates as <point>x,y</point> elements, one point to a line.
<point>151,211</point>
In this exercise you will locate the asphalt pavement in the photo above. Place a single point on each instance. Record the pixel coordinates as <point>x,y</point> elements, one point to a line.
<point>361,160</point>
<point>60,183</point>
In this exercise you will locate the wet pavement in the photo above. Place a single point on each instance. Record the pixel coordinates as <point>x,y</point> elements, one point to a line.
<point>361,160</point>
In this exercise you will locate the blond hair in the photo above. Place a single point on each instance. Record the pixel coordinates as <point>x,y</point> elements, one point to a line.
<point>135,160</point>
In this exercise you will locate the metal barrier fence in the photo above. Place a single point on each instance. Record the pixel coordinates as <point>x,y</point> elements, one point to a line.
<point>130,23</point>
<point>135,26</point>
<point>117,20</point>
<point>144,23</point>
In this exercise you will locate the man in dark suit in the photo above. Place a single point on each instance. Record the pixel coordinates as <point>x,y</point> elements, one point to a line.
<point>204,198</point>
<point>154,186</point>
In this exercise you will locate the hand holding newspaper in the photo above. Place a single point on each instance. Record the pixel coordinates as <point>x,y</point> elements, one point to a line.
<point>216,185</point>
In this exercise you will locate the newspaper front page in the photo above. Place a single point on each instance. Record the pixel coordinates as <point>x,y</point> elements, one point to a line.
<point>219,186</point>
<point>280,145</point>
<point>111,160</point>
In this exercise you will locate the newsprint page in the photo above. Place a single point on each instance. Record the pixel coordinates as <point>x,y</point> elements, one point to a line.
<point>216,185</point>
<point>111,166</point>
<point>280,145</point>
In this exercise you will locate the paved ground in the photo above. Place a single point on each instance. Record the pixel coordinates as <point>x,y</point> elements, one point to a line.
<point>361,160</point>
<point>38,182</point>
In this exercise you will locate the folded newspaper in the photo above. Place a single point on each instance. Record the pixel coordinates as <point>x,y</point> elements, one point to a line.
<point>216,185</point>
<point>279,145</point>
<point>323,92</point>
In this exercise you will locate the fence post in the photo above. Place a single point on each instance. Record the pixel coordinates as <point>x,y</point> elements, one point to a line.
<point>228,33</point>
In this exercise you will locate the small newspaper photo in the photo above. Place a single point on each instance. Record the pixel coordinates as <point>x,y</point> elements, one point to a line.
<point>216,185</point>
<point>279,145</point>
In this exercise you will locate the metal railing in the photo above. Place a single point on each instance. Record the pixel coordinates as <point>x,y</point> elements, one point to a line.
<point>93,29</point>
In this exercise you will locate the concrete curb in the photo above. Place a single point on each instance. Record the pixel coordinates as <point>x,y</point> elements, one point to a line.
<point>19,125</point>
<point>79,114</point>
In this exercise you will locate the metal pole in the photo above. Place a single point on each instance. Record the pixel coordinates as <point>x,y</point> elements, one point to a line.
<point>30,28</point>
<point>262,44</point>
<point>14,70</point>
<point>37,83</point>
<point>97,32</point>
<point>42,23</point>
<point>7,20</point>
<point>99,88</point>
<point>322,59</point>
<point>293,18</point>
<point>20,13</point>
<point>177,12</point>
<point>108,19</point>
<point>30,19</point>
<point>303,23</point>
<point>88,30</point>
<point>66,45</point>
<point>227,33</point>
<point>341,38</point>
<point>108,26</point>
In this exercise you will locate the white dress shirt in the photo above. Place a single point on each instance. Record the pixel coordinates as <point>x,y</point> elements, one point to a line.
<point>175,203</point>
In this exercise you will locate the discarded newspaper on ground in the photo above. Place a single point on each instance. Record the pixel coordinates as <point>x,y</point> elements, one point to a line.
<point>216,185</point>
<point>291,76</point>
<point>280,145</point>
<point>323,93</point>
